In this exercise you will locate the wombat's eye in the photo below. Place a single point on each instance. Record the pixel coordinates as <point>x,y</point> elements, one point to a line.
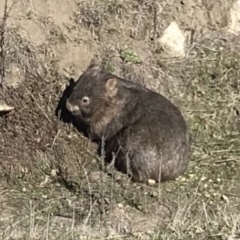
<point>85,100</point>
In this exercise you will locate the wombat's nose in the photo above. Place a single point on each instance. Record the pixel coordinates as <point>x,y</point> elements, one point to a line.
<point>71,108</point>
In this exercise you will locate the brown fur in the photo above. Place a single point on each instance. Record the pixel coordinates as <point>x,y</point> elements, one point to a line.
<point>145,131</point>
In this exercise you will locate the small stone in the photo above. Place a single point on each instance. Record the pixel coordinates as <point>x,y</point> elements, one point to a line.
<point>173,40</point>
<point>154,194</point>
<point>203,178</point>
<point>183,179</point>
<point>54,172</point>
<point>4,107</point>
<point>225,198</point>
<point>234,26</point>
<point>151,182</point>
<point>119,205</point>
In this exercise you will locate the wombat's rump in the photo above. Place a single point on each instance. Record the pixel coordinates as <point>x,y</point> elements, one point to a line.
<point>144,133</point>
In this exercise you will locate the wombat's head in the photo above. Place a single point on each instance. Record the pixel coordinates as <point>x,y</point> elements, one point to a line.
<point>93,94</point>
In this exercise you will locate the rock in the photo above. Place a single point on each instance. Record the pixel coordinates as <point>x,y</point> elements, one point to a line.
<point>234,22</point>
<point>173,40</point>
<point>54,172</point>
<point>151,182</point>
<point>119,205</point>
<point>4,108</point>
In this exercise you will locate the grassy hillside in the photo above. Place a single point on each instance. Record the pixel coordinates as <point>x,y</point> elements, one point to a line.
<point>53,185</point>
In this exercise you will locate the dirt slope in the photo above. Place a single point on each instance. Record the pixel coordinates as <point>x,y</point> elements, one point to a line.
<point>52,182</point>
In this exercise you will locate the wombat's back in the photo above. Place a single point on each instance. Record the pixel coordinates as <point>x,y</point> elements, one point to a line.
<point>156,146</point>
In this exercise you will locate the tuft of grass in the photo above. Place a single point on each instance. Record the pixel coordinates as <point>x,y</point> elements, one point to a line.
<point>95,13</point>
<point>128,55</point>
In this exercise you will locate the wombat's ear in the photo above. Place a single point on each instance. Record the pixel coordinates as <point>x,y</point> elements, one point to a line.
<point>111,87</point>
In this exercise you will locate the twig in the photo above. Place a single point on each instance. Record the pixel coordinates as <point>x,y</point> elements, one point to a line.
<point>2,53</point>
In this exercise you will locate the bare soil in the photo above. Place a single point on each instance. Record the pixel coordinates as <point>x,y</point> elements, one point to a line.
<point>53,184</point>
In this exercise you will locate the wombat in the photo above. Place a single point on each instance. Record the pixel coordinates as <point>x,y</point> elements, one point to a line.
<point>144,133</point>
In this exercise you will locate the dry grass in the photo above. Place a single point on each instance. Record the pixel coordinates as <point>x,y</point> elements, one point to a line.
<point>52,183</point>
